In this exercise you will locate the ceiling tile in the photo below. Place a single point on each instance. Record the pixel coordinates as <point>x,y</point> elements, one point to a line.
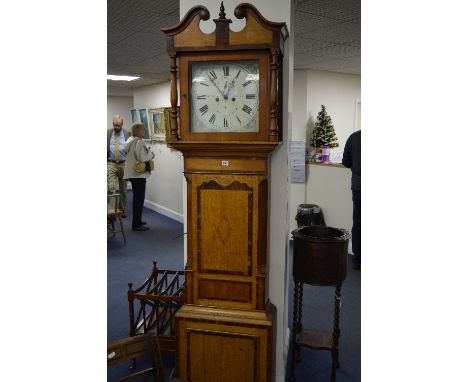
<point>327,37</point>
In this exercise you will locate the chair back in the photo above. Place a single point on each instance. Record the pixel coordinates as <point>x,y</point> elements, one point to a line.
<point>115,214</point>
<point>131,348</point>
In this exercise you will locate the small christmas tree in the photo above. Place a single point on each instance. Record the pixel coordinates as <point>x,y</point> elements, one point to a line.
<point>323,132</point>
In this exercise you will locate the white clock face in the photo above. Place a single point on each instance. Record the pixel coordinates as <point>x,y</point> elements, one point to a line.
<point>224,96</point>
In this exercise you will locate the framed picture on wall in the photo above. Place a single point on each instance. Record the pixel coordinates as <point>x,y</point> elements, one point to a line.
<point>167,115</point>
<point>158,123</point>
<point>134,114</point>
<point>143,113</point>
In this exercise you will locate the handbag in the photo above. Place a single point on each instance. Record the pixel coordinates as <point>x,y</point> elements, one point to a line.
<point>144,166</point>
<point>141,167</point>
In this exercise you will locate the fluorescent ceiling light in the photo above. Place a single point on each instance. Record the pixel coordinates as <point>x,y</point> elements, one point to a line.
<point>121,78</point>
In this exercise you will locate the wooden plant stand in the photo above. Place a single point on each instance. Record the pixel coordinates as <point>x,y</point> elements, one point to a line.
<point>319,259</point>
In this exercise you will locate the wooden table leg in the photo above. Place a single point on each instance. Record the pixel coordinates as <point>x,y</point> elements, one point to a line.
<point>336,332</point>
<point>294,346</point>
<point>301,294</point>
<point>299,319</point>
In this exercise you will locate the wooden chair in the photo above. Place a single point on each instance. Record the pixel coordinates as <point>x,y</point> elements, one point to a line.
<point>135,347</point>
<point>114,213</point>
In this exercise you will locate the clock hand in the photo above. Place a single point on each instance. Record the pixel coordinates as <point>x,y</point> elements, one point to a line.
<point>230,86</point>
<point>214,83</point>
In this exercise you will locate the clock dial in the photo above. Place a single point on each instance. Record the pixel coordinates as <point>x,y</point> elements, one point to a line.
<point>224,96</point>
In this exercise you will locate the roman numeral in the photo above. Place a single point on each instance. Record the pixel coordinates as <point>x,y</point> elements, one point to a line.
<point>213,75</point>
<point>202,83</point>
<point>225,122</point>
<point>246,83</point>
<point>201,97</point>
<point>203,109</point>
<point>247,109</point>
<point>238,73</point>
<point>250,96</point>
<point>226,71</point>
<point>212,118</point>
<point>238,119</point>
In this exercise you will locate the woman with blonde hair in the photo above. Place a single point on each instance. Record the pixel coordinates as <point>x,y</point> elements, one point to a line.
<point>137,151</point>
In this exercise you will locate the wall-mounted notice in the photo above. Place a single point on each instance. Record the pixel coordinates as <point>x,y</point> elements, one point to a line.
<point>297,150</point>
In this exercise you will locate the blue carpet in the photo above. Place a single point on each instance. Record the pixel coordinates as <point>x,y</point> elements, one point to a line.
<point>132,262</point>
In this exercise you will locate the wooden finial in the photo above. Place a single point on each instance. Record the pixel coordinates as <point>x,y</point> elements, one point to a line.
<point>222,15</point>
<point>222,28</point>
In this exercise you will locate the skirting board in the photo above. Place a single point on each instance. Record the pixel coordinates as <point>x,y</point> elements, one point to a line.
<point>285,355</point>
<point>282,378</point>
<point>164,211</point>
<point>286,346</point>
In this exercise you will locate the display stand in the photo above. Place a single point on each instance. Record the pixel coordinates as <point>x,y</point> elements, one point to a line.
<point>319,259</point>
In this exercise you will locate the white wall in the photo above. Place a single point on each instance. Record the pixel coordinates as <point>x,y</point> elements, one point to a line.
<point>338,92</point>
<point>329,187</point>
<point>122,106</point>
<point>153,96</point>
<point>299,122</point>
<point>164,188</point>
<point>326,186</point>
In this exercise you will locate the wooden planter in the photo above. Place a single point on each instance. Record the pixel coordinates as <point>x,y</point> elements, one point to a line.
<point>319,259</point>
<point>320,255</point>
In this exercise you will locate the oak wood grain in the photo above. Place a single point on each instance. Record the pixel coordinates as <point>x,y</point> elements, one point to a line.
<point>226,330</point>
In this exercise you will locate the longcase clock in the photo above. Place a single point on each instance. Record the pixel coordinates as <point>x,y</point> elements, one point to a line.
<point>228,125</point>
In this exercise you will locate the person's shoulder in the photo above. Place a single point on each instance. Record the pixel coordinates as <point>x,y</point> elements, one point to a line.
<point>139,143</point>
<point>356,136</point>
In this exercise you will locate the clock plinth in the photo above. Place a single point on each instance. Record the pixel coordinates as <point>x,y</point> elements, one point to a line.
<point>229,345</point>
<point>228,125</point>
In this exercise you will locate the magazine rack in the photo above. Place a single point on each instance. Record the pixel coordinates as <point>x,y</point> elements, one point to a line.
<point>153,305</point>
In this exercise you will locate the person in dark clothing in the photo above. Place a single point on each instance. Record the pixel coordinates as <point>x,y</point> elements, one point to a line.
<point>352,160</point>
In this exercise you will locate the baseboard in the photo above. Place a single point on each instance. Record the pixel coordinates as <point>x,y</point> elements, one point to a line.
<point>282,378</point>
<point>286,345</point>
<point>164,211</point>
